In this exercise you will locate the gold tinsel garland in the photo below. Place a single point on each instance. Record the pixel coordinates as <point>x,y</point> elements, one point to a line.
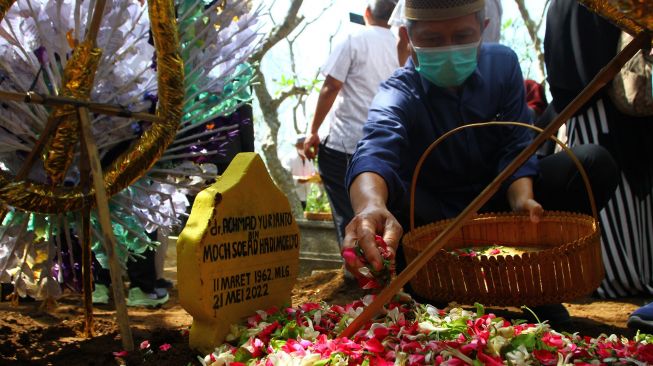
<point>633,16</point>
<point>134,163</point>
<point>77,83</point>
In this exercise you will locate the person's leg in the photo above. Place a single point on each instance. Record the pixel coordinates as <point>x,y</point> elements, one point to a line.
<point>142,272</point>
<point>561,187</point>
<point>101,283</point>
<point>142,278</point>
<point>642,319</point>
<point>332,165</point>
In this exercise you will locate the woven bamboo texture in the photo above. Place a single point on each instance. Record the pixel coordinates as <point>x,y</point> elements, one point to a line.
<point>563,263</point>
<point>566,264</point>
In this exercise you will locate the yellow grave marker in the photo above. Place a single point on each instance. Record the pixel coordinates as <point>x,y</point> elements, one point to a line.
<point>238,253</point>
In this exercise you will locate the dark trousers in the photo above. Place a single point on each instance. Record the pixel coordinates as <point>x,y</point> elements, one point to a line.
<point>560,185</point>
<point>332,165</point>
<point>141,272</point>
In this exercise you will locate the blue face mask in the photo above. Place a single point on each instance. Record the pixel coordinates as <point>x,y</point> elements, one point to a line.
<point>447,66</point>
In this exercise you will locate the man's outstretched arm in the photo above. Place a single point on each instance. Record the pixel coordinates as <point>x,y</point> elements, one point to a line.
<point>368,194</point>
<point>330,89</point>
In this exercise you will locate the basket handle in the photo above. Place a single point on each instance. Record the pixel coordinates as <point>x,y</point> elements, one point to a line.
<point>437,142</point>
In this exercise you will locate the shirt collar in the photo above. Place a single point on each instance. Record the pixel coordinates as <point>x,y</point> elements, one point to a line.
<point>379,28</point>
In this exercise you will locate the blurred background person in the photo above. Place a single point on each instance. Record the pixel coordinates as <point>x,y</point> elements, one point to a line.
<point>353,74</point>
<point>302,170</point>
<point>578,43</point>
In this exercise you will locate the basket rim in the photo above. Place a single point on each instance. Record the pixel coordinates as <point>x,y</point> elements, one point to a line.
<point>409,238</point>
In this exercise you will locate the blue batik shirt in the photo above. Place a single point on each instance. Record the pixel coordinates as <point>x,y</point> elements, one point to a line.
<point>409,113</point>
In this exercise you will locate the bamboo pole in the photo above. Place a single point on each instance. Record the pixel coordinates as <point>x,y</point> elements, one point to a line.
<point>104,217</point>
<point>87,279</point>
<point>54,100</point>
<point>85,225</point>
<point>85,171</point>
<point>600,80</point>
<point>94,27</point>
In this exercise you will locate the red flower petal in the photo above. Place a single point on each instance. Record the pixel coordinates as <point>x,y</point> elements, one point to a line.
<point>380,242</point>
<point>489,360</point>
<point>309,306</point>
<point>416,359</point>
<point>545,357</point>
<point>381,333</point>
<point>374,346</point>
<point>349,255</point>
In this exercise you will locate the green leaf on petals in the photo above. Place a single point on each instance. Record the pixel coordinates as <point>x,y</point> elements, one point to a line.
<point>527,340</point>
<point>277,343</point>
<point>480,309</point>
<point>242,355</point>
<point>290,330</point>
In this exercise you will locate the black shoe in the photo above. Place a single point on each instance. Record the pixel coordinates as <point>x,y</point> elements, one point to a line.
<point>163,283</point>
<point>556,314</point>
<point>642,319</point>
<point>6,289</point>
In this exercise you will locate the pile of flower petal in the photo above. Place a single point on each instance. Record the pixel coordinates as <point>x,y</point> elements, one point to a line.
<point>491,251</point>
<point>408,333</point>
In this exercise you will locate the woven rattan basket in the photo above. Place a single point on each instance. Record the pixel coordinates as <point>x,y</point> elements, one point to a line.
<point>563,261</point>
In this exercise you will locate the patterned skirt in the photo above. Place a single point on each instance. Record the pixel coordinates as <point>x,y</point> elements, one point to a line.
<point>627,219</point>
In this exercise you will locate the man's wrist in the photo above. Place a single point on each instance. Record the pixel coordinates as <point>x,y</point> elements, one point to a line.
<point>371,205</point>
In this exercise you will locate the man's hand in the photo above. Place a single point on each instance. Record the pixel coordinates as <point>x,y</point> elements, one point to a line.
<point>520,197</point>
<point>311,146</point>
<point>328,93</point>
<point>533,208</point>
<point>371,221</point>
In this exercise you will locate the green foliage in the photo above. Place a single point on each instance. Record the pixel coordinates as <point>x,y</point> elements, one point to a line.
<point>317,200</point>
<point>515,35</point>
<point>285,83</point>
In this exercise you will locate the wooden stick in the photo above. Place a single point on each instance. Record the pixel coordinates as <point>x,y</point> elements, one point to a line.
<point>601,79</point>
<point>104,217</point>
<point>53,100</point>
<point>94,27</point>
<point>51,126</point>
<point>87,278</point>
<point>4,210</point>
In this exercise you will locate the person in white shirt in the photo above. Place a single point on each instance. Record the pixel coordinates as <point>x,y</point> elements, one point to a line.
<point>353,74</point>
<point>302,171</point>
<point>494,13</point>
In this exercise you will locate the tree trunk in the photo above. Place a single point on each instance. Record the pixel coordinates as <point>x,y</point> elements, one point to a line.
<point>532,28</point>
<point>269,107</point>
<point>280,175</point>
